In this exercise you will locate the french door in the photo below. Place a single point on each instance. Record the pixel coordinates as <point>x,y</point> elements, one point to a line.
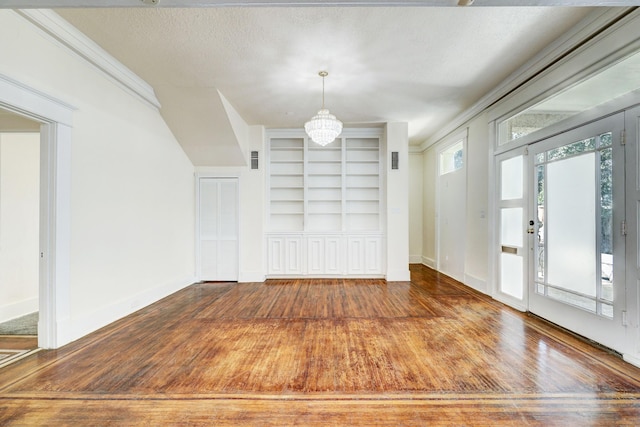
<point>576,230</point>
<point>217,229</point>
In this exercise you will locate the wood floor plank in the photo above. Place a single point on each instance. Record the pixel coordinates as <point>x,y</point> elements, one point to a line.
<point>336,351</point>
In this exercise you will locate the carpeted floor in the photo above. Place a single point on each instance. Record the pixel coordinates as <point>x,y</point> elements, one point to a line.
<point>25,325</point>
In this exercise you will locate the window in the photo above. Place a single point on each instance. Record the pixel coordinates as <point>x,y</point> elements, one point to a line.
<point>614,81</point>
<point>452,158</point>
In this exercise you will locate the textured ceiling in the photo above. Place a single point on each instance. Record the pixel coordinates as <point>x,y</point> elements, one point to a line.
<point>418,65</point>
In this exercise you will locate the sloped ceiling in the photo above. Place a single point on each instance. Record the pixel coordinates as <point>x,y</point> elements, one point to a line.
<point>421,65</point>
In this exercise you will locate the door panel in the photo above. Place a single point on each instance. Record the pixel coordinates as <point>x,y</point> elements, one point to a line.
<point>577,272</point>
<point>218,229</point>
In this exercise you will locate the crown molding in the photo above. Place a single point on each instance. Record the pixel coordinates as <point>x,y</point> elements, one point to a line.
<point>65,33</point>
<point>555,52</point>
<point>313,3</point>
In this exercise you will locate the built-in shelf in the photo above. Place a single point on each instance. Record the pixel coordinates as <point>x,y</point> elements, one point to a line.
<point>333,188</point>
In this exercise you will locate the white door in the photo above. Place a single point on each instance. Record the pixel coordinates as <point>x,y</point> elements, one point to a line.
<point>577,271</point>
<point>217,229</point>
<point>452,196</point>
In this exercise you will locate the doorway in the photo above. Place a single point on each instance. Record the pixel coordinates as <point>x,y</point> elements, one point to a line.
<point>19,235</point>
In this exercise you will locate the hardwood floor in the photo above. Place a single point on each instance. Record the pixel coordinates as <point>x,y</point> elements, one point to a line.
<point>324,352</point>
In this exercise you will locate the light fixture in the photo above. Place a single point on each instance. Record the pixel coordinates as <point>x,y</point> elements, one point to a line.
<point>323,128</point>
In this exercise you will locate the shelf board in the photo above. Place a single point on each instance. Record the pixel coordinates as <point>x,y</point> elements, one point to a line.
<point>337,162</point>
<point>361,187</point>
<point>363,161</point>
<point>325,213</point>
<point>286,188</point>
<point>324,188</point>
<point>287,174</point>
<point>287,200</point>
<point>362,148</point>
<point>324,174</point>
<point>326,201</point>
<point>287,213</point>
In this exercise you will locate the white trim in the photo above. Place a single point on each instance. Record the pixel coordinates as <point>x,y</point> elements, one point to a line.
<point>511,302</point>
<point>18,309</point>
<point>314,3</point>
<point>476,283</point>
<point>31,103</point>
<point>55,235</point>
<point>429,262</point>
<point>70,37</point>
<point>96,319</point>
<point>415,259</point>
<point>397,276</point>
<point>632,359</point>
<point>251,277</point>
<point>55,204</point>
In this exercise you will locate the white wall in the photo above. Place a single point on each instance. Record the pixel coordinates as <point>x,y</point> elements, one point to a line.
<point>476,258</point>
<point>477,200</point>
<point>132,186</point>
<point>397,189</point>
<point>416,185</point>
<point>19,223</point>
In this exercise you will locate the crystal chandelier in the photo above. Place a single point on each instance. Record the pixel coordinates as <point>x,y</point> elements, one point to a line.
<point>323,128</point>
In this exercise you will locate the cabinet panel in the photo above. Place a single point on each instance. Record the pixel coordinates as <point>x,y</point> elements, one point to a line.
<point>315,255</point>
<point>373,254</point>
<point>293,255</point>
<point>355,255</point>
<point>275,258</point>
<point>333,255</point>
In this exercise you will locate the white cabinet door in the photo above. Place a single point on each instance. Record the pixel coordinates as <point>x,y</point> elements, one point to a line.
<point>324,255</point>
<point>218,229</point>
<point>356,255</point>
<point>284,256</point>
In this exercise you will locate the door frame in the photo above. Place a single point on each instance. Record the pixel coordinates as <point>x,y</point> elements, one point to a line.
<point>55,118</point>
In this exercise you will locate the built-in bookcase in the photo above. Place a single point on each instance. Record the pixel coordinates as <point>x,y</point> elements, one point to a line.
<point>286,184</point>
<point>331,188</point>
<point>325,205</point>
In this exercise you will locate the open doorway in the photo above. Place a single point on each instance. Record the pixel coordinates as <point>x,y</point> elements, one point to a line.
<point>19,235</point>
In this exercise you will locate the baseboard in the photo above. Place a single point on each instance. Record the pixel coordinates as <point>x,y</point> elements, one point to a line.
<point>632,359</point>
<point>415,259</point>
<point>511,303</point>
<point>251,277</point>
<point>475,283</point>
<point>398,276</point>
<point>429,262</point>
<point>90,322</point>
<point>17,309</point>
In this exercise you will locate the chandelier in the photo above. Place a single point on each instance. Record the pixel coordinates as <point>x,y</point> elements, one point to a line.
<point>323,128</point>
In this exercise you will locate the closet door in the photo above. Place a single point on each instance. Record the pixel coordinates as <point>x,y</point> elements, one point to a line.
<point>217,229</point>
